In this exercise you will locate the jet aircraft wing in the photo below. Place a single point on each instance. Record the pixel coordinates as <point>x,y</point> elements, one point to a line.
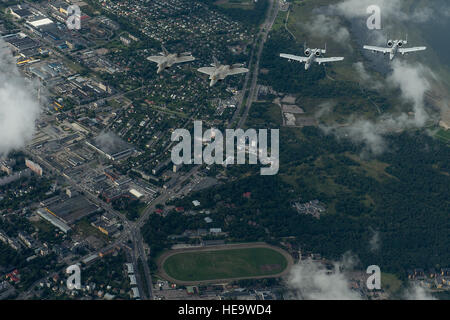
<point>331,59</point>
<point>408,50</point>
<point>185,59</point>
<point>378,49</point>
<point>207,70</point>
<point>236,71</point>
<point>292,57</point>
<point>157,59</point>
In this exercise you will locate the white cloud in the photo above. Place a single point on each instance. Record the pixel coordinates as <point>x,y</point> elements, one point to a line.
<point>413,83</point>
<point>389,9</point>
<point>324,108</point>
<point>365,77</point>
<point>310,280</point>
<point>375,241</point>
<point>19,107</point>
<point>323,26</point>
<point>416,292</point>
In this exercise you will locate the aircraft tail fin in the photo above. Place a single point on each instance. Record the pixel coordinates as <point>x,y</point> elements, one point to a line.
<point>166,53</point>
<point>216,62</point>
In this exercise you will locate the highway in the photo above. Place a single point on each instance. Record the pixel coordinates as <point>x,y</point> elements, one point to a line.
<point>258,47</point>
<point>272,14</point>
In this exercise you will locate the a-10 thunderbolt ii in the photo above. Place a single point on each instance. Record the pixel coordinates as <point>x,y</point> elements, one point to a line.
<point>311,55</point>
<point>394,47</point>
<point>218,72</point>
<point>167,60</point>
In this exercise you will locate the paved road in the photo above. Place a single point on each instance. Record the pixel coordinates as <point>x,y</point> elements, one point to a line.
<point>261,39</point>
<point>137,239</point>
<point>267,26</point>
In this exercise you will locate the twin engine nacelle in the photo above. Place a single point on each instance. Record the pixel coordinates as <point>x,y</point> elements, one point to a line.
<point>317,53</point>
<point>400,43</point>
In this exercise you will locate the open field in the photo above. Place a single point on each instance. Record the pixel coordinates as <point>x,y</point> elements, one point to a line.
<point>443,135</point>
<point>390,283</point>
<point>224,263</point>
<point>239,4</point>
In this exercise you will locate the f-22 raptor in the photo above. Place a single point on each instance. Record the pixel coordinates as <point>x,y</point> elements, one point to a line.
<point>167,60</point>
<point>218,72</point>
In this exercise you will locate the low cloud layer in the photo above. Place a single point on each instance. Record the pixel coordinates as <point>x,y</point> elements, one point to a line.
<point>365,78</point>
<point>416,292</point>
<point>310,280</point>
<point>412,82</point>
<point>389,9</point>
<point>375,241</point>
<point>19,108</point>
<point>324,26</point>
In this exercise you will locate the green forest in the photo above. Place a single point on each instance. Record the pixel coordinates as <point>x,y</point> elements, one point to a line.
<point>250,17</point>
<point>409,202</point>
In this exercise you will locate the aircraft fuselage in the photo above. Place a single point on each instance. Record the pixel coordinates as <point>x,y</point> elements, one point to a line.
<point>169,61</point>
<point>394,50</point>
<point>315,53</point>
<point>219,74</point>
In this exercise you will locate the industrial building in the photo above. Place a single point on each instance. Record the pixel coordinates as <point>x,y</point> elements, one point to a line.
<point>20,11</point>
<point>72,209</point>
<point>111,146</point>
<point>54,220</point>
<point>20,42</point>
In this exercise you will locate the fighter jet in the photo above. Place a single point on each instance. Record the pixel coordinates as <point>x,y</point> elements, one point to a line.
<point>311,55</point>
<point>167,60</point>
<point>395,46</point>
<point>219,72</point>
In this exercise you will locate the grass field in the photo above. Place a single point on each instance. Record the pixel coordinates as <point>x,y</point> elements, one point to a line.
<point>238,4</point>
<point>224,264</point>
<point>390,283</point>
<point>443,135</point>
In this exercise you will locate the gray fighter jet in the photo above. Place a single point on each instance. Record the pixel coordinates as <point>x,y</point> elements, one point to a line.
<point>311,55</point>
<point>218,72</point>
<point>394,47</point>
<point>167,60</point>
